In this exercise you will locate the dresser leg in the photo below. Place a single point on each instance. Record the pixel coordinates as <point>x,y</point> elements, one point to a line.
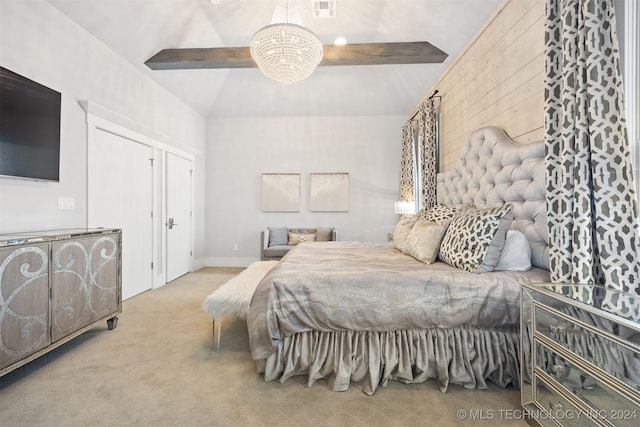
<point>112,323</point>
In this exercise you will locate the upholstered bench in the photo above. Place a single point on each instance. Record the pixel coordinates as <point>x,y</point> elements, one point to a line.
<point>275,242</point>
<point>232,299</point>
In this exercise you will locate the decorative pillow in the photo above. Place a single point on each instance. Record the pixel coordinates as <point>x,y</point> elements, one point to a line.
<point>424,240</point>
<point>324,234</point>
<point>295,238</point>
<point>475,237</point>
<point>401,232</point>
<point>440,213</point>
<point>278,236</point>
<point>516,253</point>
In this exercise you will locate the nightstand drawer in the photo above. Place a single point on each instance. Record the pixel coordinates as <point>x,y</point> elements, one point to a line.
<point>557,407</point>
<point>605,402</point>
<point>610,347</point>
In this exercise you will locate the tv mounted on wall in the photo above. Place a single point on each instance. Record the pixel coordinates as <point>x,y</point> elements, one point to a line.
<point>29,128</point>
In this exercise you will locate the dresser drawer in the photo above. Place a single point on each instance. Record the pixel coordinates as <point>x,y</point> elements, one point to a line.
<point>605,402</point>
<point>609,346</point>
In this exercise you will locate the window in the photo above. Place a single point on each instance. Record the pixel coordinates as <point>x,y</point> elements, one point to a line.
<point>627,21</point>
<point>417,167</point>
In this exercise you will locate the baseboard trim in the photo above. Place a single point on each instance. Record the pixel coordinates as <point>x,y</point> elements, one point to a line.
<point>223,262</point>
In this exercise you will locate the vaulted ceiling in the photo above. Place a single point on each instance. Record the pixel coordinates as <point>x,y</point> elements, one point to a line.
<point>138,29</point>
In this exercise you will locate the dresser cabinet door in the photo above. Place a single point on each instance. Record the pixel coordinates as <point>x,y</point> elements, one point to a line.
<point>84,282</point>
<point>24,301</point>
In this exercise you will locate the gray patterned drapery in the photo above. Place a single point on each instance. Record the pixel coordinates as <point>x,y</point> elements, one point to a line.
<point>591,202</point>
<point>407,183</point>
<point>428,137</point>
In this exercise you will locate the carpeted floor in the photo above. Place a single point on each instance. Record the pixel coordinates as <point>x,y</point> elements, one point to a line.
<point>157,369</point>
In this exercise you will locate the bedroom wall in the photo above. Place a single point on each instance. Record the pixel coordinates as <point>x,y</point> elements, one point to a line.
<point>44,45</point>
<point>497,80</point>
<point>239,151</point>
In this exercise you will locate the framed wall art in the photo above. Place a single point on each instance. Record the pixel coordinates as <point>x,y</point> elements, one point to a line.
<point>281,192</point>
<point>329,192</point>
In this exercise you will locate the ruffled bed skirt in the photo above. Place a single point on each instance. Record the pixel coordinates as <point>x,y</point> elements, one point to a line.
<point>365,359</point>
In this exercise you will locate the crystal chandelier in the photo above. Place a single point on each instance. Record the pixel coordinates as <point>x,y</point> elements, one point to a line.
<point>285,50</point>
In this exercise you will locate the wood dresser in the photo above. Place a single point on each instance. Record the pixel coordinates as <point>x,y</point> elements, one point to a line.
<point>55,285</point>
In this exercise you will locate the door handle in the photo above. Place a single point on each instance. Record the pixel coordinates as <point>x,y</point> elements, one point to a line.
<point>170,224</point>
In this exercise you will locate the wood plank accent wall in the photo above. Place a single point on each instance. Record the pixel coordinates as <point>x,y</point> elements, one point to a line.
<point>498,79</point>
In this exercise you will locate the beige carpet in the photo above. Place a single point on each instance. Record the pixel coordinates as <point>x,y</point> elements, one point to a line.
<point>156,369</point>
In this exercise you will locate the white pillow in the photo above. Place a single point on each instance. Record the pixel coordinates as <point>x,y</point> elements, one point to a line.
<point>516,253</point>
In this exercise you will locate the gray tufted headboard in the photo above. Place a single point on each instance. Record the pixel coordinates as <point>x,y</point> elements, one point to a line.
<point>493,170</point>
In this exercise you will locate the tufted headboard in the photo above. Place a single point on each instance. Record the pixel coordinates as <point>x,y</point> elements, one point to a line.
<point>493,170</point>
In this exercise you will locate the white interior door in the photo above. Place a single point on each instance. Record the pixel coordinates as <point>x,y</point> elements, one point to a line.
<point>178,216</point>
<point>120,195</point>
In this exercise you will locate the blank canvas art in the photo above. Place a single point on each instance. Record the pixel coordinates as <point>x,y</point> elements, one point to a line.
<point>329,192</point>
<point>281,192</point>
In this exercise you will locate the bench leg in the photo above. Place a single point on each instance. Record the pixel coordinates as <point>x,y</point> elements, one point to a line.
<point>217,324</point>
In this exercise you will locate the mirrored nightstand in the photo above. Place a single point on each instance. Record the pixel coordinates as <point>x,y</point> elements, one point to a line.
<point>580,363</point>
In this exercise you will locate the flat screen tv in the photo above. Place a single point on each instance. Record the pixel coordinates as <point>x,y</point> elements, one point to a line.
<point>29,128</point>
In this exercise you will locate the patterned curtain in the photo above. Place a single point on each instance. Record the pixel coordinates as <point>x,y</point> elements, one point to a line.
<point>428,137</point>
<point>593,226</point>
<point>407,182</point>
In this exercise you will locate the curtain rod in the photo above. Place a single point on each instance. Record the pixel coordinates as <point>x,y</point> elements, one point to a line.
<point>433,95</point>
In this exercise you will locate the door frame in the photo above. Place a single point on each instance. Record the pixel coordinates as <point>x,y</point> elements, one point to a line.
<point>100,118</point>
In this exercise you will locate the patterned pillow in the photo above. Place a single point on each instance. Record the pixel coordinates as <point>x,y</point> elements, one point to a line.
<point>295,238</point>
<point>440,213</point>
<point>401,232</point>
<point>475,237</point>
<point>424,240</point>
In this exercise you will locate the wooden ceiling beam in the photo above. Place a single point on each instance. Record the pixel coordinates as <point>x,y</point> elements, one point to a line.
<point>382,53</point>
<point>349,54</point>
<point>197,58</point>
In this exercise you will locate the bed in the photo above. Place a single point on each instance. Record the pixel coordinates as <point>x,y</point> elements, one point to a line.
<point>363,313</point>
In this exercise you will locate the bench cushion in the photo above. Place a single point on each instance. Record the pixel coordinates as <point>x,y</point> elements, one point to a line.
<point>233,297</point>
<point>277,251</point>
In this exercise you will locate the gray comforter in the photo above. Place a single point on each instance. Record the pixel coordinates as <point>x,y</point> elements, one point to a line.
<point>341,286</point>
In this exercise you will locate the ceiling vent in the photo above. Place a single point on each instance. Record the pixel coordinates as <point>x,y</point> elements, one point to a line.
<point>324,8</point>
